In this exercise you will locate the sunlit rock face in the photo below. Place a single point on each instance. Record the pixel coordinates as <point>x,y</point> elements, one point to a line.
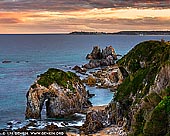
<point>62,92</point>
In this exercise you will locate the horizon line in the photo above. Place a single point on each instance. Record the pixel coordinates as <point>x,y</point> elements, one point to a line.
<point>92,32</point>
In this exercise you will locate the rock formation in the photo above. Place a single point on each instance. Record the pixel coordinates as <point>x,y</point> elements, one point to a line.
<point>6,61</point>
<point>79,70</point>
<point>99,58</point>
<point>144,96</point>
<point>95,54</point>
<point>62,92</point>
<point>141,105</point>
<point>109,51</point>
<point>142,102</point>
<point>108,77</point>
<point>96,120</point>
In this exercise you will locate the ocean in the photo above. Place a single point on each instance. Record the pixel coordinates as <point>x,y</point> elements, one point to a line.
<point>31,55</point>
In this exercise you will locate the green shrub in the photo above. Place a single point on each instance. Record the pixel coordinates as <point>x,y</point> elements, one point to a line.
<point>65,79</point>
<point>139,123</point>
<point>158,122</point>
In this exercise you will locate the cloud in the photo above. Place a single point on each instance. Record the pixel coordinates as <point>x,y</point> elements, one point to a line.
<point>9,21</point>
<point>33,16</point>
<point>74,5</point>
<point>66,25</point>
<point>104,24</point>
<point>146,23</point>
<point>50,5</point>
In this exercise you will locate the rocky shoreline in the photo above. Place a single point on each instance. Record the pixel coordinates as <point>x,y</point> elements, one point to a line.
<point>140,80</point>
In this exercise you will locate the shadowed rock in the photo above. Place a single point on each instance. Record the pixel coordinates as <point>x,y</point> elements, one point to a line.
<point>6,61</point>
<point>98,58</point>
<point>95,54</point>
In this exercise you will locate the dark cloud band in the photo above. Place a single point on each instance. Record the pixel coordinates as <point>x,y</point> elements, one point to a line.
<point>9,21</point>
<point>74,5</point>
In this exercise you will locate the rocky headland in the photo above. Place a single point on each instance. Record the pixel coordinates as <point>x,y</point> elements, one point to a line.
<point>141,105</point>
<point>144,96</point>
<point>140,81</point>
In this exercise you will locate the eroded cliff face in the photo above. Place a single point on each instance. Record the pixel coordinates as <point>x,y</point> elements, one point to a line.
<point>157,105</point>
<point>162,80</point>
<point>62,92</point>
<point>144,96</point>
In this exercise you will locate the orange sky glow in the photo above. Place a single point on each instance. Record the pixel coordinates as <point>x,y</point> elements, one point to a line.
<point>101,19</point>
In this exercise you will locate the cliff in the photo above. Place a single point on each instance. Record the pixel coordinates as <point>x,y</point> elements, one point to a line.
<point>144,96</point>
<point>141,105</point>
<point>62,92</point>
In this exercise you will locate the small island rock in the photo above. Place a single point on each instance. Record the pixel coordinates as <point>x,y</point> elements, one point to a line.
<point>98,58</point>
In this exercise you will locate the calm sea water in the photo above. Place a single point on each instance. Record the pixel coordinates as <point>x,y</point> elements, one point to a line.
<point>31,55</point>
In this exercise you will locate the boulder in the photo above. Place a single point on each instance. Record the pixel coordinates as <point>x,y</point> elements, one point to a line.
<point>109,60</point>
<point>79,69</point>
<point>90,80</point>
<point>97,120</point>
<point>92,64</point>
<point>63,93</point>
<point>6,61</point>
<point>93,122</point>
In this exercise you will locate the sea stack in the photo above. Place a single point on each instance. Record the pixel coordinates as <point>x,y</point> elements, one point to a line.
<point>62,92</point>
<point>98,58</point>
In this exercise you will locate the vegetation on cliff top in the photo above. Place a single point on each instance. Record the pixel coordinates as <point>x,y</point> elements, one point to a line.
<point>65,79</point>
<point>146,54</point>
<point>143,63</point>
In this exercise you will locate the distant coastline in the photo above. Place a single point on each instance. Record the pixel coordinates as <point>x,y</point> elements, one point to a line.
<point>141,33</point>
<point>123,33</point>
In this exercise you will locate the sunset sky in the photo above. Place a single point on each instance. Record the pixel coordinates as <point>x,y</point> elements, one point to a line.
<point>63,16</point>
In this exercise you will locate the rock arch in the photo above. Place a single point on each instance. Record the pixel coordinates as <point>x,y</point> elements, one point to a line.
<point>60,101</point>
